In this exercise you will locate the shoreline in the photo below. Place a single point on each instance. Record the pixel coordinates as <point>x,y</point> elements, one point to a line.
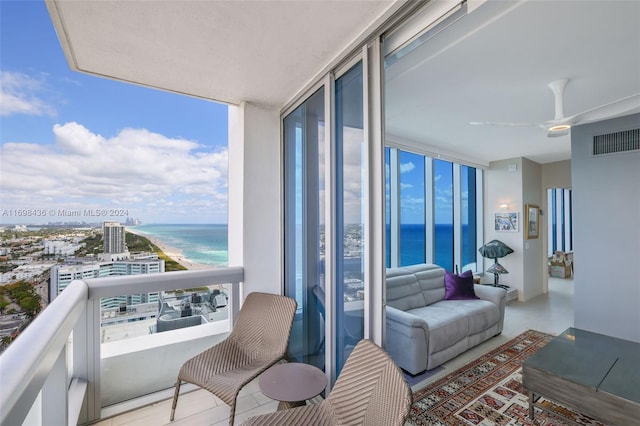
<point>172,252</point>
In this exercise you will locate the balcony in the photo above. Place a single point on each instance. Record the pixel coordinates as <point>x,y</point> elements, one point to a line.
<point>62,349</point>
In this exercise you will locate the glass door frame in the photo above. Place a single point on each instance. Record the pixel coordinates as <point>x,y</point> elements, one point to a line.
<point>373,190</point>
<point>369,50</point>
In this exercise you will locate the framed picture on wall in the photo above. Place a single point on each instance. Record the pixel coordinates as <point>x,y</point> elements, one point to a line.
<point>532,221</point>
<point>507,222</point>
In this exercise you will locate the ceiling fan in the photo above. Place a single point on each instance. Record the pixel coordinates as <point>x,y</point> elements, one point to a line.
<point>560,125</point>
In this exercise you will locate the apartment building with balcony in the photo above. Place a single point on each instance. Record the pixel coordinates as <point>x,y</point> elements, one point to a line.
<point>63,275</point>
<point>331,104</point>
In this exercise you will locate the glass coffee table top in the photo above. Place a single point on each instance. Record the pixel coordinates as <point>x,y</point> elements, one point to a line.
<point>623,380</point>
<point>601,362</point>
<point>566,357</point>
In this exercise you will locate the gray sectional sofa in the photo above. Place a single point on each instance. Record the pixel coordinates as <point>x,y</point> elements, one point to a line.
<point>424,330</point>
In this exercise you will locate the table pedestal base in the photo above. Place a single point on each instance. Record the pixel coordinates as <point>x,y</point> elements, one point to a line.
<point>285,405</point>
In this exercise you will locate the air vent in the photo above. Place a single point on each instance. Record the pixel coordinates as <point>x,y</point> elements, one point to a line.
<point>627,140</point>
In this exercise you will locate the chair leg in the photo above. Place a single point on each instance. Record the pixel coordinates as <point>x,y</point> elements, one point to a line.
<point>175,399</point>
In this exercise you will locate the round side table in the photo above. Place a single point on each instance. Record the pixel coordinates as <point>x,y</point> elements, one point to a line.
<point>292,383</point>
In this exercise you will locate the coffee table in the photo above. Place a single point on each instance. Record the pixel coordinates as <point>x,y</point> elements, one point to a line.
<point>292,383</point>
<point>595,374</point>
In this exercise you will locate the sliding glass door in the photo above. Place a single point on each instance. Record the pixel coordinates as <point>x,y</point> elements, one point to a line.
<point>350,232</point>
<point>304,146</point>
<point>325,227</point>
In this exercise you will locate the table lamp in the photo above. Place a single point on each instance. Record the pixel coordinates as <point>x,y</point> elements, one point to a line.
<point>495,249</point>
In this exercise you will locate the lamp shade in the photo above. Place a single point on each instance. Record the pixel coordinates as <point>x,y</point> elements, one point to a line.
<point>497,268</point>
<point>495,249</point>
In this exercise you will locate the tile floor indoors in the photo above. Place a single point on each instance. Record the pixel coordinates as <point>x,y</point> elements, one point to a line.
<point>551,313</point>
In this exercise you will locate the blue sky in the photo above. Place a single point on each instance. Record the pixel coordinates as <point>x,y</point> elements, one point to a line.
<point>72,141</point>
<point>412,190</point>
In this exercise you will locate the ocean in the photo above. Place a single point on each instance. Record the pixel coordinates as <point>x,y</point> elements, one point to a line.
<point>204,244</point>
<point>412,245</point>
<point>208,244</point>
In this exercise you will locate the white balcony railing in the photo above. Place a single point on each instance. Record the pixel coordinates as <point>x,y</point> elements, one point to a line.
<point>56,362</point>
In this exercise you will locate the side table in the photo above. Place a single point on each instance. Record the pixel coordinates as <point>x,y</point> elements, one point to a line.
<point>292,383</point>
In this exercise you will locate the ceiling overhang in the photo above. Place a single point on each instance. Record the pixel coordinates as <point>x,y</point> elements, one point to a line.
<point>262,52</point>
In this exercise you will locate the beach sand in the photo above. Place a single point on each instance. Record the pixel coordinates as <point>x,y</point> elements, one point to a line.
<point>172,252</point>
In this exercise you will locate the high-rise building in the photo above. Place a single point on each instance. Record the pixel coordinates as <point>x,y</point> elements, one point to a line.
<point>62,275</point>
<point>114,237</point>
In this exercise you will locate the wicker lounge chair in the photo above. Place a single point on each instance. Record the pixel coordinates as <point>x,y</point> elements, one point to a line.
<point>370,391</point>
<point>258,340</point>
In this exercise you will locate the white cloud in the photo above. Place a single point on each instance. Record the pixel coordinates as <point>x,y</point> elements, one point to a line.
<point>407,167</point>
<point>155,177</point>
<point>412,201</point>
<point>21,94</point>
<point>405,185</point>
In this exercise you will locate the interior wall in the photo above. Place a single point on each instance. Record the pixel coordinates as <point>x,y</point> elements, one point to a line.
<point>503,186</point>
<point>606,201</point>
<point>255,197</point>
<point>515,182</point>
<point>533,249</point>
<point>554,175</point>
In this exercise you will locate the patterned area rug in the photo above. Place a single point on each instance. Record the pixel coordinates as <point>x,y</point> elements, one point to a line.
<point>414,380</point>
<point>488,391</point>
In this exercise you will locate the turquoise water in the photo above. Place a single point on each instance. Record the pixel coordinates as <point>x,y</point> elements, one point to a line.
<point>206,244</point>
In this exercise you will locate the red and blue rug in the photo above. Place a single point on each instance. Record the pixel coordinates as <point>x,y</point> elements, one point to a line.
<point>488,391</point>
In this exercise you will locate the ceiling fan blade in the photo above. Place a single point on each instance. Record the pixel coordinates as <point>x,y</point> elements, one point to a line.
<point>608,110</point>
<point>496,123</point>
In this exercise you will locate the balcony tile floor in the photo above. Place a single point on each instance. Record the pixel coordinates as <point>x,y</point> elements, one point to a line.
<point>551,313</point>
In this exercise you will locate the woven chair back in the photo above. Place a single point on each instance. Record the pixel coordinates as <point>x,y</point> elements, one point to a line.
<point>370,390</point>
<point>263,326</point>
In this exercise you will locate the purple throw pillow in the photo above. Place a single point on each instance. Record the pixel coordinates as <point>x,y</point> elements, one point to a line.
<point>459,287</point>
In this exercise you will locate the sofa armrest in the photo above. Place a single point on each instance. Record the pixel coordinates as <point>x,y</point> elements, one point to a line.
<point>490,293</point>
<point>497,295</point>
<point>407,340</point>
<point>406,319</point>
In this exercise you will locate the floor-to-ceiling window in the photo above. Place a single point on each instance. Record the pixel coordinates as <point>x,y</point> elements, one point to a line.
<point>412,208</point>
<point>324,260</point>
<point>329,266</point>
<point>304,147</point>
<point>438,220</point>
<point>469,216</point>
<point>387,210</point>
<point>350,238</point>
<point>560,224</point>
<point>443,214</point>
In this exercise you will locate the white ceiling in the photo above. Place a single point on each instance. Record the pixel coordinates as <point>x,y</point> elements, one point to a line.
<point>267,51</point>
<point>500,73</point>
<point>259,51</point>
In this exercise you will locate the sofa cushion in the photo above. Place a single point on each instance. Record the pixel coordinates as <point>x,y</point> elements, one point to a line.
<point>431,280</point>
<point>447,324</point>
<point>481,314</point>
<point>459,287</point>
<point>403,290</point>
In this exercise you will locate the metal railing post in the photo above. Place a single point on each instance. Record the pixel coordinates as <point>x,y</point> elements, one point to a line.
<point>55,403</point>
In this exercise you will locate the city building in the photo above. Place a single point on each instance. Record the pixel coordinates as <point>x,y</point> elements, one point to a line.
<point>320,94</point>
<point>63,275</point>
<point>61,247</point>
<point>114,237</point>
<point>132,221</point>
